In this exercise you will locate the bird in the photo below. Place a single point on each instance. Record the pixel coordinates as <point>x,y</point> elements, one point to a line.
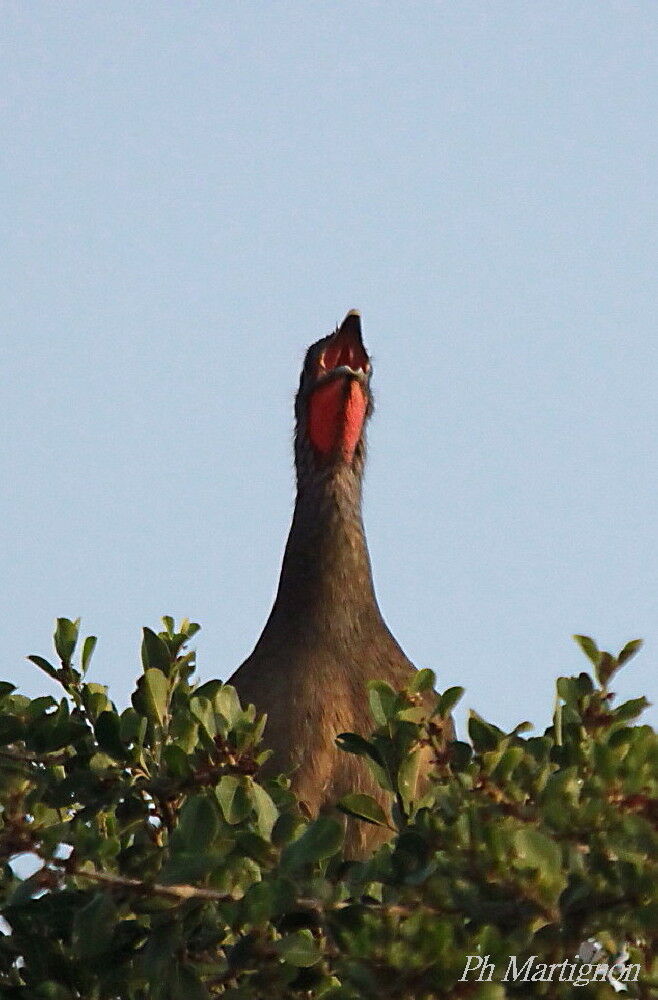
<point>325,637</point>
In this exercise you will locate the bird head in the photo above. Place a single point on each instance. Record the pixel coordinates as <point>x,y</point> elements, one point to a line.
<point>334,400</point>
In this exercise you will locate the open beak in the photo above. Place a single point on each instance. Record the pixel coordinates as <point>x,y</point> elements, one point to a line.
<point>339,399</point>
<point>344,353</point>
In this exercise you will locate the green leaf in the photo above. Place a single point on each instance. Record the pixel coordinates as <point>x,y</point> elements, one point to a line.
<point>629,650</point>
<point>488,991</point>
<point>108,735</point>
<point>382,700</point>
<point>189,628</point>
<point>51,990</point>
<point>54,731</point>
<point>522,727</point>
<point>266,812</point>
<point>208,690</point>
<point>132,727</point>
<point>183,729</point>
<point>424,680</point>
<point>630,709</point>
<point>186,867</point>
<point>584,683</point>
<point>6,689</point>
<point>65,638</point>
<point>449,699</point>
<point>567,689</point>
<point>298,949</point>
<point>285,829</point>
<point>152,696</point>
<point>589,647</point>
<point>39,706</point>
<point>322,839</point>
<point>198,824</point>
<point>155,654</point>
<point>535,850</point>
<point>185,984</point>
<point>483,735</point>
<point>353,743</point>
<point>227,704</point>
<point>163,942</point>
<point>408,776</point>
<point>252,845</point>
<point>507,763</point>
<point>203,711</point>
<point>461,754</point>
<point>87,652</point>
<point>11,729</point>
<point>416,714</point>
<point>605,668</point>
<point>93,926</point>
<point>177,762</point>
<point>95,699</point>
<point>44,665</point>
<point>101,763</point>
<point>233,797</point>
<point>363,807</point>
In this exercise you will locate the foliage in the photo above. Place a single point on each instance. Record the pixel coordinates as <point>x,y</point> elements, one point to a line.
<point>168,871</point>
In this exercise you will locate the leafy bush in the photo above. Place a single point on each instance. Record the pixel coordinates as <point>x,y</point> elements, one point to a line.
<point>168,871</point>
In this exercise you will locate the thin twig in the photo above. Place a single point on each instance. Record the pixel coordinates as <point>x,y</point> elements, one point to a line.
<point>27,757</point>
<point>178,892</point>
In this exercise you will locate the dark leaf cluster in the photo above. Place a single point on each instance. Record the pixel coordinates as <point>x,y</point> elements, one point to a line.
<point>165,868</point>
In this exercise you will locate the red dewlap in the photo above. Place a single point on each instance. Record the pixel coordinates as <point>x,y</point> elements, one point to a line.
<point>336,413</point>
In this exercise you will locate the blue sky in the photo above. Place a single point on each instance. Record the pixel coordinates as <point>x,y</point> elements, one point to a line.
<point>194,192</point>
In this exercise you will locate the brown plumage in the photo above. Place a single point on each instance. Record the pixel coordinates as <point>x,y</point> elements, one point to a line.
<point>325,637</point>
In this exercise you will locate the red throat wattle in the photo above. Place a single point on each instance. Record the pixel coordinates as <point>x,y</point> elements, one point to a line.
<point>336,412</point>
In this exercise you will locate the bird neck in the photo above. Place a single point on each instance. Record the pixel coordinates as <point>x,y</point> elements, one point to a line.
<point>326,578</point>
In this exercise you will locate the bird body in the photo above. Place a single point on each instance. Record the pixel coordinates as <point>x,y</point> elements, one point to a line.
<point>325,637</point>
